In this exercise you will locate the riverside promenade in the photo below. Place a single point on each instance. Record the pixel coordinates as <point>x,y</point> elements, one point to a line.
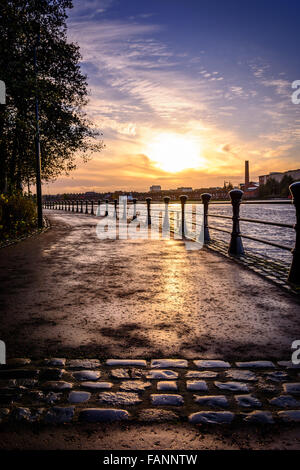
<point>68,295</point>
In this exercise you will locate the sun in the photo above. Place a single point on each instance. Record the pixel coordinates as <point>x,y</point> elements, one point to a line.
<point>174,152</point>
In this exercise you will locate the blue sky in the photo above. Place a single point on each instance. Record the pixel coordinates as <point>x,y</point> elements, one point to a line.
<point>185,91</point>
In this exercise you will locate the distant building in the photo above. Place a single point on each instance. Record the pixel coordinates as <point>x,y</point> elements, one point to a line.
<point>185,190</point>
<point>155,188</point>
<point>277,176</point>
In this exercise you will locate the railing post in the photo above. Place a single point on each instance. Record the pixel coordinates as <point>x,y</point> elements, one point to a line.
<point>116,205</point>
<point>294,273</point>
<point>72,205</point>
<point>236,245</point>
<point>69,205</point>
<point>183,200</point>
<point>166,221</point>
<point>86,207</point>
<point>134,209</point>
<point>77,206</point>
<point>148,201</point>
<point>81,206</point>
<point>92,208</point>
<point>106,207</point>
<point>206,197</point>
<point>98,209</point>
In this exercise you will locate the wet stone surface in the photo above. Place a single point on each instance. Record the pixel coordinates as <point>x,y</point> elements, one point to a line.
<point>79,397</point>
<point>86,375</point>
<point>262,417</point>
<point>211,417</point>
<point>98,415</point>
<point>119,398</point>
<point>285,401</point>
<point>292,388</point>
<point>167,385</point>
<point>196,385</point>
<point>247,401</point>
<point>205,364</point>
<point>241,375</point>
<point>134,386</point>
<point>213,401</point>
<point>162,374</point>
<point>167,399</point>
<point>232,386</point>
<point>256,365</point>
<point>130,390</point>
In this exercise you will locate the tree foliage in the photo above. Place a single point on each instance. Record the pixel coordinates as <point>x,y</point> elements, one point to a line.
<point>274,188</point>
<point>60,86</point>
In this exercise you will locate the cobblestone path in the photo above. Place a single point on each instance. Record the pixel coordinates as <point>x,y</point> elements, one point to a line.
<point>56,391</point>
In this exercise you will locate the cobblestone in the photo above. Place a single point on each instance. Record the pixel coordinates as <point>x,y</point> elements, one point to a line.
<point>211,417</point>
<point>291,416</point>
<point>292,388</point>
<point>96,385</point>
<point>60,415</point>
<point>262,417</point>
<point>247,401</point>
<point>214,401</point>
<point>256,365</point>
<point>205,364</point>
<point>166,363</point>
<point>167,385</point>
<point>98,415</point>
<point>88,375</point>
<point>119,398</point>
<point>79,397</point>
<point>232,386</point>
<point>157,390</point>
<point>241,375</point>
<point>167,399</point>
<point>162,374</point>
<point>196,385</point>
<point>126,362</point>
<point>285,401</point>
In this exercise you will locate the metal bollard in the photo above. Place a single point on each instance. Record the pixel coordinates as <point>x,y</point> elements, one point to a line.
<point>106,207</point>
<point>148,201</point>
<point>116,210</point>
<point>98,209</point>
<point>206,197</point>
<point>166,221</point>
<point>294,273</point>
<point>134,209</point>
<point>86,207</point>
<point>236,245</point>
<point>183,200</point>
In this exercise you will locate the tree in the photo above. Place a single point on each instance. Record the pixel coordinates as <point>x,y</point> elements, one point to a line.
<point>60,85</point>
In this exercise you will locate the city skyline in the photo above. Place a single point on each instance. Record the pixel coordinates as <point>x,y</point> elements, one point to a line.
<point>185,93</point>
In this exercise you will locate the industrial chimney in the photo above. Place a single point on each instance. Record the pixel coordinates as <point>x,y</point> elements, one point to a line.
<point>246,173</point>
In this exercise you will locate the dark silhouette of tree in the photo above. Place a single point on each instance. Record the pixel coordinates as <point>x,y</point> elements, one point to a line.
<point>61,88</point>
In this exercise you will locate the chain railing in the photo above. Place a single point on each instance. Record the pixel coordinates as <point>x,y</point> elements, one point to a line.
<point>175,221</point>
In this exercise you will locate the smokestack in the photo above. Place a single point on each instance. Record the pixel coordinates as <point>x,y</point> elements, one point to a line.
<point>246,172</point>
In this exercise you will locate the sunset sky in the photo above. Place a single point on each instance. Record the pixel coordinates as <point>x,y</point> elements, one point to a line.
<point>185,91</point>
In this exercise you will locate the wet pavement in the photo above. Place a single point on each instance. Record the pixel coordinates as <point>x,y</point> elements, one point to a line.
<point>67,293</point>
